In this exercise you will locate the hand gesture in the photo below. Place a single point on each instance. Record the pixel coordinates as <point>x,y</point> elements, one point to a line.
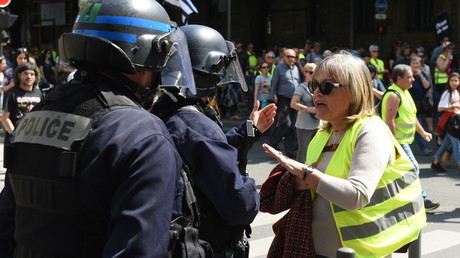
<point>264,118</point>
<point>294,167</point>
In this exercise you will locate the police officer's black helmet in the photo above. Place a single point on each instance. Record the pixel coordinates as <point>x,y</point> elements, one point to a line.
<point>213,61</point>
<point>122,35</point>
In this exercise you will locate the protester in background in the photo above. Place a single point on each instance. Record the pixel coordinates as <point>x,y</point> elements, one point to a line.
<point>378,63</point>
<point>418,91</point>
<point>442,70</point>
<point>438,50</point>
<point>400,114</point>
<point>406,52</point>
<point>307,123</point>
<point>47,67</point>
<point>315,54</point>
<point>262,86</point>
<point>4,80</point>
<point>450,106</point>
<point>19,101</point>
<point>327,53</point>
<point>270,60</point>
<point>35,53</point>
<point>377,85</point>
<point>373,207</point>
<point>285,80</point>
<point>21,57</point>
<point>359,51</point>
<point>428,101</point>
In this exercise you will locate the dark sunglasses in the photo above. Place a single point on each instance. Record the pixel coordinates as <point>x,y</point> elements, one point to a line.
<point>310,72</point>
<point>290,56</point>
<point>21,50</point>
<point>270,57</point>
<point>325,87</point>
<point>264,67</point>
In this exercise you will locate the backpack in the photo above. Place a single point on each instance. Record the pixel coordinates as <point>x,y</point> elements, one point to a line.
<point>184,241</point>
<point>378,107</point>
<point>453,126</point>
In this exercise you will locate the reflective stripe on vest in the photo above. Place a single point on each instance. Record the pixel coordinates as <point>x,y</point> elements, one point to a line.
<point>395,213</point>
<point>405,123</point>
<point>440,77</point>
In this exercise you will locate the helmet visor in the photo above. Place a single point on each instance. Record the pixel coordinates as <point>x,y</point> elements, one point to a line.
<point>178,71</point>
<point>232,72</point>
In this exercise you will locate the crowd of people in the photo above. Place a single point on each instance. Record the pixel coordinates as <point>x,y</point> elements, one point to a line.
<point>281,73</point>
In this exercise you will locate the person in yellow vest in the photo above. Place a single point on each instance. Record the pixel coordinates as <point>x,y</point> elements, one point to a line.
<point>373,207</point>
<point>270,60</point>
<point>378,63</point>
<point>442,70</point>
<point>400,114</point>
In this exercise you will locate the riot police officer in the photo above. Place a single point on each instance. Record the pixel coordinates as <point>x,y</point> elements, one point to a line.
<point>93,174</point>
<point>227,197</point>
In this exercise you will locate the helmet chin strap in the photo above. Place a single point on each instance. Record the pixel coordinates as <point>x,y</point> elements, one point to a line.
<point>146,93</point>
<point>150,92</point>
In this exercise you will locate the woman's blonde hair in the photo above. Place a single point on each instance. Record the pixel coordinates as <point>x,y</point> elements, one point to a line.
<point>353,74</point>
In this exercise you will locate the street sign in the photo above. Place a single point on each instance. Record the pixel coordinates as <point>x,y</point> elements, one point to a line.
<point>380,16</point>
<point>4,3</point>
<point>381,6</point>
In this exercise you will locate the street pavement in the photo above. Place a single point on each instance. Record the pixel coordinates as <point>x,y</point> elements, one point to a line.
<point>441,237</point>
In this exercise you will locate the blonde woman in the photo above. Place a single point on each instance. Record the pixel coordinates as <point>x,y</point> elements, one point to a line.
<point>373,207</point>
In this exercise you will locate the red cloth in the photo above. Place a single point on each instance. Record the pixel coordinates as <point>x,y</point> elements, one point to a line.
<point>441,126</point>
<point>293,232</point>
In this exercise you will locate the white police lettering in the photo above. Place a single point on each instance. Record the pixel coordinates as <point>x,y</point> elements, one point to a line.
<point>52,128</point>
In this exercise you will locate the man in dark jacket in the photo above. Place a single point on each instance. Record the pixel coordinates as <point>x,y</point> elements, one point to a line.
<point>227,197</point>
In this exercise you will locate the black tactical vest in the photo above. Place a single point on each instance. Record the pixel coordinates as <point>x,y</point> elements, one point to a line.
<point>50,219</point>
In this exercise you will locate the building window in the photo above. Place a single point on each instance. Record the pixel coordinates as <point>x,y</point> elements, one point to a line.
<point>316,12</point>
<point>364,16</point>
<point>419,15</point>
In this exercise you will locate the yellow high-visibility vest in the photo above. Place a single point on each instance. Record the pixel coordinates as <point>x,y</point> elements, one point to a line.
<point>440,77</point>
<point>380,66</point>
<point>406,120</point>
<point>395,213</point>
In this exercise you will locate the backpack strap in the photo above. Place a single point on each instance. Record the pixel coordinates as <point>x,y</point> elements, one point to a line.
<point>190,197</point>
<point>380,103</point>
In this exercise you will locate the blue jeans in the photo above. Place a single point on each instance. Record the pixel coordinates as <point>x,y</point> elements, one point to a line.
<point>407,149</point>
<point>445,146</point>
<point>455,146</point>
<point>422,144</point>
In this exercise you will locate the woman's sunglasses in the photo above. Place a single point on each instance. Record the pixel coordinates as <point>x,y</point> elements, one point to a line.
<point>325,87</point>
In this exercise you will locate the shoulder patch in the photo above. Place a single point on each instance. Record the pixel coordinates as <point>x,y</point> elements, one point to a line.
<point>52,128</point>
